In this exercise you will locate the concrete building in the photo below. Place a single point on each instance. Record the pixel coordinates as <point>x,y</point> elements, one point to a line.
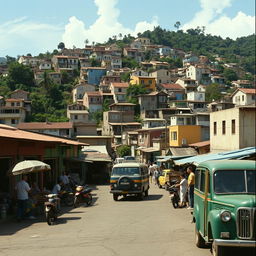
<point>232,128</point>
<point>161,76</point>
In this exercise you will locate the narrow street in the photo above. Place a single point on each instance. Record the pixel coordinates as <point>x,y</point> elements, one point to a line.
<point>108,228</point>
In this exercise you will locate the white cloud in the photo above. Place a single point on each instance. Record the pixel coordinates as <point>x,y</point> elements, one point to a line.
<point>104,27</point>
<point>21,36</point>
<point>216,22</point>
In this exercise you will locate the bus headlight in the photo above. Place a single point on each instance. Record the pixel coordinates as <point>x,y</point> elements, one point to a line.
<point>225,216</point>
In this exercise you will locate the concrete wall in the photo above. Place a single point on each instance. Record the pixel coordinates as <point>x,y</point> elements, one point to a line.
<point>244,135</point>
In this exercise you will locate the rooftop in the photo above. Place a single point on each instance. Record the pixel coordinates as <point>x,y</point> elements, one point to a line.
<point>45,125</point>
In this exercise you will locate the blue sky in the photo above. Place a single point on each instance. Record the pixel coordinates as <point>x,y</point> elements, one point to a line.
<point>33,26</point>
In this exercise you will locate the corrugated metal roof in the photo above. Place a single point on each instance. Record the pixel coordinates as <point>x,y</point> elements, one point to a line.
<point>235,154</point>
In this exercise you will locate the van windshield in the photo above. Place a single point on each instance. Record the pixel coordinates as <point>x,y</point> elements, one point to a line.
<point>129,171</point>
<point>234,181</point>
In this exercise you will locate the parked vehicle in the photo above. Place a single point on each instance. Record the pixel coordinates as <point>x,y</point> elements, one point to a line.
<point>168,178</point>
<point>82,195</point>
<point>67,197</point>
<point>175,198</point>
<point>129,158</point>
<point>51,208</point>
<point>225,204</point>
<point>129,178</point>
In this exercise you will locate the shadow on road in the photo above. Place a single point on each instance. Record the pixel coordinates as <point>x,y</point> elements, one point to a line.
<point>135,198</point>
<point>64,220</point>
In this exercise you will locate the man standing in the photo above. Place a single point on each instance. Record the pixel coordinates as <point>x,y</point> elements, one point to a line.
<point>151,171</point>
<point>191,184</point>
<point>22,188</point>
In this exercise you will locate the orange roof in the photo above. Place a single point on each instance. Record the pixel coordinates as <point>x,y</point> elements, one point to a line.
<point>172,86</point>
<point>14,133</point>
<point>14,100</point>
<point>247,90</point>
<point>45,125</point>
<point>123,85</point>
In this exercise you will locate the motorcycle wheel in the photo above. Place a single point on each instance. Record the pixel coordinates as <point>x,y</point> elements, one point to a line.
<point>175,204</point>
<point>49,218</point>
<point>76,202</point>
<point>69,200</point>
<point>89,200</point>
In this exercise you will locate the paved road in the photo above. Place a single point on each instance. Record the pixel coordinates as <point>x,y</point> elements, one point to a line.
<point>124,228</point>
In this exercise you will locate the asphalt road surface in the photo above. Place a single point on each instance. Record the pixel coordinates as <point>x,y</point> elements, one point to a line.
<point>108,228</point>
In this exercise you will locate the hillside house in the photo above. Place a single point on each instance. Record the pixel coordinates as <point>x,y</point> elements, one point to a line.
<point>80,89</point>
<point>244,96</point>
<point>174,91</point>
<point>161,76</point>
<point>93,101</point>
<point>119,91</point>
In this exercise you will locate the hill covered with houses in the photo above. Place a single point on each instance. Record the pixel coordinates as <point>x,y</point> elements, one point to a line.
<point>159,79</point>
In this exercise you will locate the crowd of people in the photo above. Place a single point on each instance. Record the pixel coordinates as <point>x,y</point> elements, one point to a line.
<point>28,197</point>
<point>186,184</point>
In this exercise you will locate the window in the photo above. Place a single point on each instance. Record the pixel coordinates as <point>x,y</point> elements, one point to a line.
<point>233,126</point>
<point>12,104</point>
<point>150,81</point>
<point>18,104</point>
<point>223,127</point>
<point>142,81</point>
<point>76,117</point>
<point>13,121</point>
<point>197,179</point>
<point>214,128</point>
<point>119,89</point>
<point>242,97</point>
<point>202,183</point>
<point>173,135</point>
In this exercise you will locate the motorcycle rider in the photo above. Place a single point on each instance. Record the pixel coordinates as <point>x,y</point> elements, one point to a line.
<point>57,190</point>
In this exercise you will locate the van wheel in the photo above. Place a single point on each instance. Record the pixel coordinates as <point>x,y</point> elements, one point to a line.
<point>140,196</point>
<point>200,243</point>
<point>217,250</point>
<point>115,197</point>
<point>146,192</point>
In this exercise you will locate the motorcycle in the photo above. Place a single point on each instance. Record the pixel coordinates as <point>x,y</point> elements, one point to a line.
<point>67,197</point>
<point>51,208</point>
<point>175,198</point>
<point>82,195</point>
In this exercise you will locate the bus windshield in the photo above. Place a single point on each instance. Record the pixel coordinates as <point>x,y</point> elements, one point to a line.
<point>129,171</point>
<point>234,181</point>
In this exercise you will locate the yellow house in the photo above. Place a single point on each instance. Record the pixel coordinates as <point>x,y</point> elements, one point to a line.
<point>148,82</point>
<point>184,134</point>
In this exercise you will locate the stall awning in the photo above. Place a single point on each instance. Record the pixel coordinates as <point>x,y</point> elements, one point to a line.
<point>235,154</point>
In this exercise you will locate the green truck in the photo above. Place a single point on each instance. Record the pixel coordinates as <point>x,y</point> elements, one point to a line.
<point>225,204</point>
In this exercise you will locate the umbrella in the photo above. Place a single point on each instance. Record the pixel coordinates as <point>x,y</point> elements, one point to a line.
<point>29,166</point>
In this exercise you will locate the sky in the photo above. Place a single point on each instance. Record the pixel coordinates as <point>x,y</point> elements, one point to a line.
<point>34,26</point>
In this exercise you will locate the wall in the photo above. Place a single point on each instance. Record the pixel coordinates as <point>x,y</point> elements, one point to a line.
<point>191,133</point>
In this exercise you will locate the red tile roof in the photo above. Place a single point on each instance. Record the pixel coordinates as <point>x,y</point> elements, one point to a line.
<point>172,86</point>
<point>96,93</point>
<point>247,90</point>
<point>123,85</point>
<point>45,125</point>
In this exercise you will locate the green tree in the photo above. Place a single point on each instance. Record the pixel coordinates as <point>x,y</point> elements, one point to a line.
<point>125,76</point>
<point>20,74</point>
<point>213,92</point>
<point>61,46</point>
<point>133,91</point>
<point>177,25</point>
<point>230,75</point>
<point>123,150</point>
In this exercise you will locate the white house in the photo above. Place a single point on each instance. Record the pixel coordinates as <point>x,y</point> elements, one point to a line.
<point>196,96</point>
<point>244,96</point>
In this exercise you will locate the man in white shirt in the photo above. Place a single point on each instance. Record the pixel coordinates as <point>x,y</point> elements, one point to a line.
<point>22,188</point>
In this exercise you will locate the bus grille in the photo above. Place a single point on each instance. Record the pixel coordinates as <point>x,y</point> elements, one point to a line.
<point>246,222</point>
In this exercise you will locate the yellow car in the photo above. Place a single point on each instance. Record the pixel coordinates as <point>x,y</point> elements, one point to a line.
<point>164,178</point>
<point>168,178</point>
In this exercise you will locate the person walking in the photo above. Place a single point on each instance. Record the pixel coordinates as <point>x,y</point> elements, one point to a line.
<point>151,171</point>
<point>156,176</point>
<point>191,185</point>
<point>22,189</point>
